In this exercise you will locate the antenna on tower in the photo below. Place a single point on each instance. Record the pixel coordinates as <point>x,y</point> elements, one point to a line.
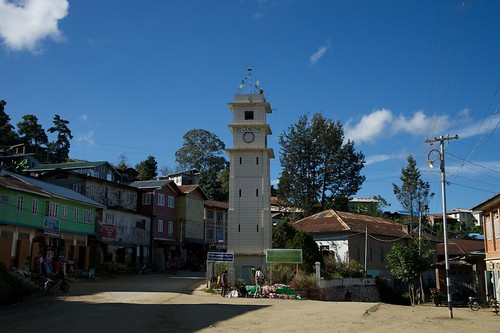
<point>247,81</point>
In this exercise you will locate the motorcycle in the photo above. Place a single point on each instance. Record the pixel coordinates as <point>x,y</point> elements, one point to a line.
<point>56,281</point>
<point>145,269</point>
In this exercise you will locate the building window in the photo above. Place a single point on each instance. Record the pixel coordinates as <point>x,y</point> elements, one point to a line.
<point>20,201</point>
<point>110,219</point>
<point>219,216</point>
<point>496,225</point>
<point>141,224</point>
<point>248,115</point>
<point>77,188</point>
<point>64,212</point>
<point>241,160</point>
<point>256,192</point>
<point>170,227</point>
<point>489,229</point>
<point>4,198</point>
<point>53,208</point>
<point>160,225</point>
<point>146,198</point>
<point>94,190</point>
<point>171,202</point>
<point>240,192</point>
<point>210,214</point>
<point>87,216</point>
<point>161,199</point>
<point>34,206</point>
<point>76,214</point>
<point>257,160</point>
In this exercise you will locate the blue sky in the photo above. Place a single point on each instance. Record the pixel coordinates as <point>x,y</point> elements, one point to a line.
<point>133,76</point>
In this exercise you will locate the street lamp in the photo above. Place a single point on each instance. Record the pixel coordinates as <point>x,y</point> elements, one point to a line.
<point>445,228</point>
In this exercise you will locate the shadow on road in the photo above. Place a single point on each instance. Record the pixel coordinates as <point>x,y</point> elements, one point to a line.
<point>120,317</point>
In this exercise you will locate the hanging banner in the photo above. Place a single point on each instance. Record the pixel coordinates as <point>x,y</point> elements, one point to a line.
<point>51,226</point>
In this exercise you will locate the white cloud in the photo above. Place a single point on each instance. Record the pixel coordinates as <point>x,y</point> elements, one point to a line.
<point>369,127</point>
<point>25,23</point>
<point>313,59</point>
<point>86,138</point>
<point>83,117</point>
<point>383,122</point>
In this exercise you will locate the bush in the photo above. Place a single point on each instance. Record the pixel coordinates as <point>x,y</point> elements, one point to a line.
<point>12,290</point>
<point>336,270</point>
<point>283,273</point>
<point>303,281</point>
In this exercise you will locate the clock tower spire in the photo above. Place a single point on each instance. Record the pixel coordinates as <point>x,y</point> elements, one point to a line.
<point>250,221</point>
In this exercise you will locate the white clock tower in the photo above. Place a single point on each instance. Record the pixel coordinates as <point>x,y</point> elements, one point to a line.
<point>250,221</point>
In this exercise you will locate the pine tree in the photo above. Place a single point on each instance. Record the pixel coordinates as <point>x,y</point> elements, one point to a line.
<point>319,169</point>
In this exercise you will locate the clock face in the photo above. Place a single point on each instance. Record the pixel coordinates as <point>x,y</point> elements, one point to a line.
<point>248,137</point>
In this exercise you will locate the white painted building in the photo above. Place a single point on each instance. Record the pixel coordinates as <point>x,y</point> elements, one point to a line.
<point>250,222</point>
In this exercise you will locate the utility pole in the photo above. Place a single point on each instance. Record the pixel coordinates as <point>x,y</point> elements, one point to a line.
<point>441,141</point>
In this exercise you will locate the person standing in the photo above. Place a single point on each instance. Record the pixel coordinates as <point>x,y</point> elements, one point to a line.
<point>224,284</point>
<point>259,279</point>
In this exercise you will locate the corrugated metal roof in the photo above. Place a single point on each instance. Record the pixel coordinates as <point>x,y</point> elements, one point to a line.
<point>154,183</point>
<point>17,185</point>
<point>66,166</point>
<point>217,204</point>
<point>55,190</point>
<point>457,246</point>
<point>330,221</point>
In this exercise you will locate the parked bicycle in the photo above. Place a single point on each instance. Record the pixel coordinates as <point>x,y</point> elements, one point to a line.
<point>475,304</point>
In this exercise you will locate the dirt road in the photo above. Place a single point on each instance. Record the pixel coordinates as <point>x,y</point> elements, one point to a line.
<point>167,303</point>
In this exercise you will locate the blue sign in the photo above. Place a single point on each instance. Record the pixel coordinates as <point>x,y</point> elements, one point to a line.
<point>220,256</point>
<point>51,226</point>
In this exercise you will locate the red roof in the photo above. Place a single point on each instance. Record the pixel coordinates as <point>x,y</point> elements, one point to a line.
<point>330,221</point>
<point>458,246</point>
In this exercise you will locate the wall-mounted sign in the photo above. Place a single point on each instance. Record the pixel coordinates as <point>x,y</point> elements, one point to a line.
<point>51,226</point>
<point>220,256</point>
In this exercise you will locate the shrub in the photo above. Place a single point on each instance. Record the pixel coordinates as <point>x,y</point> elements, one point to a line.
<point>335,270</point>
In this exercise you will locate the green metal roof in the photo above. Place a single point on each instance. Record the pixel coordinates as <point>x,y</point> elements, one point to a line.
<point>67,166</point>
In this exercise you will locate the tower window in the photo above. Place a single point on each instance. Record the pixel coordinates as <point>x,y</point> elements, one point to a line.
<point>257,228</point>
<point>240,192</point>
<point>239,227</point>
<point>257,160</point>
<point>256,192</point>
<point>241,159</point>
<point>248,115</point>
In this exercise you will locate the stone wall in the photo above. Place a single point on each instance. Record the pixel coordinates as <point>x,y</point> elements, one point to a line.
<point>350,293</point>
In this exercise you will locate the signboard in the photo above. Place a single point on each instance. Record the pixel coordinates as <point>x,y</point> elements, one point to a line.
<point>51,226</point>
<point>284,256</point>
<point>108,230</point>
<point>220,256</point>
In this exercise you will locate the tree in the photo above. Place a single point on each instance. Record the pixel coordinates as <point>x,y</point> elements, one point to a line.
<point>59,149</point>
<point>310,250</point>
<point>147,169</point>
<point>202,150</point>
<point>7,134</point>
<point>320,170</point>
<point>283,233</point>
<point>123,161</point>
<point>407,263</point>
<point>414,194</point>
<point>32,132</point>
